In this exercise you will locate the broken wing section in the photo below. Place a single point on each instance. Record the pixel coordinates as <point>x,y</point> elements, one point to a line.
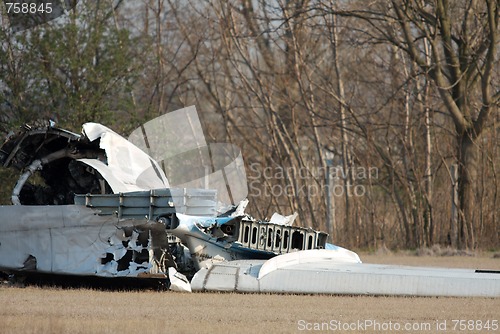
<point>214,240</point>
<point>338,272</point>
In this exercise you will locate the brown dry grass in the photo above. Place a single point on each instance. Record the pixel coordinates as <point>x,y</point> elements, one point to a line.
<point>52,310</point>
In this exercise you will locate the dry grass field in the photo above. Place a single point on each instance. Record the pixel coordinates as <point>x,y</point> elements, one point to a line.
<point>55,310</point>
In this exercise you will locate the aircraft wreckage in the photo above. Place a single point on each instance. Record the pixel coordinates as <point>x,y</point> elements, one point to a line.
<point>164,204</point>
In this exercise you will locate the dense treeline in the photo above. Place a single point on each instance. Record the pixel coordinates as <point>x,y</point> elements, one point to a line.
<point>367,119</point>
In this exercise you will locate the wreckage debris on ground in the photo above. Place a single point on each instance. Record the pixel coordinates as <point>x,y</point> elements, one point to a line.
<point>98,205</point>
<point>81,208</point>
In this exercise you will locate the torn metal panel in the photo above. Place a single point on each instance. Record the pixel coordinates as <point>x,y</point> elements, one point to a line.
<point>63,239</point>
<point>278,219</point>
<point>70,239</point>
<point>178,282</point>
<point>132,251</point>
<point>127,167</point>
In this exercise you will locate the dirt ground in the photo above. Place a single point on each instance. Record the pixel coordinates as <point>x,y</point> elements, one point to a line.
<point>55,310</point>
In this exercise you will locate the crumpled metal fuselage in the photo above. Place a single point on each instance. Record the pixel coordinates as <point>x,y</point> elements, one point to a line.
<point>95,204</point>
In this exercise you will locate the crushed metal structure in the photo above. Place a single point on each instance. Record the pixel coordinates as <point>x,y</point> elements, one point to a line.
<point>166,205</point>
<point>95,204</point>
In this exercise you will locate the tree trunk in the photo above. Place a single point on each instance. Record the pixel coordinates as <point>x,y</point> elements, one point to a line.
<point>467,174</point>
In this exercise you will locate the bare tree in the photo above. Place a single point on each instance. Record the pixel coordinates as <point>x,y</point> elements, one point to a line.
<point>456,45</point>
